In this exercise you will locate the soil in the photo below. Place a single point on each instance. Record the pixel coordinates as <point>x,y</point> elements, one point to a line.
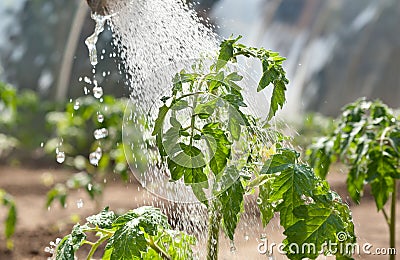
<point>37,226</point>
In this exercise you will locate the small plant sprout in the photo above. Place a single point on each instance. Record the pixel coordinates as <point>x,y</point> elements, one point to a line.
<point>11,217</point>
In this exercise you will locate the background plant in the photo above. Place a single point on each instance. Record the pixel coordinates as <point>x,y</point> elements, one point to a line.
<point>89,134</point>
<point>7,201</point>
<point>367,139</point>
<point>213,100</point>
<point>22,127</point>
<point>143,233</point>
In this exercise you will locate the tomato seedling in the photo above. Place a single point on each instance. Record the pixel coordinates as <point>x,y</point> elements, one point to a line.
<point>367,139</point>
<point>204,147</point>
<point>143,233</point>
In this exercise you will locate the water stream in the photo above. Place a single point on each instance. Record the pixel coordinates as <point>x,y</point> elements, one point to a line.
<point>156,39</point>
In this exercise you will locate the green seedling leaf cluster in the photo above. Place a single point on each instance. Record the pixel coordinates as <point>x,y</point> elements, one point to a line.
<point>21,123</point>
<point>309,211</point>
<point>10,221</point>
<point>367,139</point>
<point>142,233</point>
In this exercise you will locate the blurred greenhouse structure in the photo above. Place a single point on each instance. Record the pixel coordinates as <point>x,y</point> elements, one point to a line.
<point>337,50</point>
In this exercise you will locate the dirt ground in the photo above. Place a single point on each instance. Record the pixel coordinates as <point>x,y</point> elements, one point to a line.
<point>37,226</point>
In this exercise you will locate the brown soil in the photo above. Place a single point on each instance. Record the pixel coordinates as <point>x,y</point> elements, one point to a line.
<point>37,226</point>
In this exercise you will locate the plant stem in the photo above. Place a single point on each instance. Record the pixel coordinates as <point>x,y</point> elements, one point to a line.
<point>213,230</point>
<point>95,246</point>
<point>159,250</point>
<point>393,220</point>
<point>386,217</point>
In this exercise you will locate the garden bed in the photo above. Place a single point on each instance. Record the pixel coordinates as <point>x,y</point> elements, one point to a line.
<point>37,226</point>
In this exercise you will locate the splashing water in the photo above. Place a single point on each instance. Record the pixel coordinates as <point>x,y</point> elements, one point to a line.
<point>95,157</point>
<point>92,39</point>
<point>100,133</point>
<point>156,39</point>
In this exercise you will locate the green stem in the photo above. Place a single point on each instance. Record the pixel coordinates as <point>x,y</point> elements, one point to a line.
<point>158,249</point>
<point>95,246</point>
<point>386,217</point>
<point>193,121</point>
<point>393,220</point>
<point>214,223</point>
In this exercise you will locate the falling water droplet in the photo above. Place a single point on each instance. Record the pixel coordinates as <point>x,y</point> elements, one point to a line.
<point>60,157</point>
<point>41,144</point>
<point>232,248</point>
<point>100,133</point>
<point>246,238</point>
<point>100,118</point>
<point>95,157</point>
<point>89,187</point>
<point>76,105</point>
<point>259,201</point>
<point>87,80</point>
<point>79,203</point>
<point>92,39</point>
<point>97,92</point>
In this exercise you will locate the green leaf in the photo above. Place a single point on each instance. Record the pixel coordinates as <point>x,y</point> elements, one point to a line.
<point>234,76</point>
<point>11,221</point>
<point>268,77</point>
<point>189,163</point>
<point>148,218</point>
<point>234,100</point>
<point>278,98</point>
<point>127,242</point>
<point>279,162</point>
<point>64,250</point>
<point>177,83</point>
<point>158,125</point>
<point>225,53</point>
<point>355,183</point>
<point>219,145</point>
<point>198,191</point>
<point>104,219</point>
<point>232,202</point>
<point>381,188</point>
<point>179,105</point>
<point>234,128</point>
<point>206,109</point>
<point>317,226</point>
<point>70,244</point>
<point>319,156</point>
<point>215,81</point>
<point>291,186</point>
<point>107,254</point>
<point>264,204</point>
<point>381,164</point>
<point>176,244</point>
